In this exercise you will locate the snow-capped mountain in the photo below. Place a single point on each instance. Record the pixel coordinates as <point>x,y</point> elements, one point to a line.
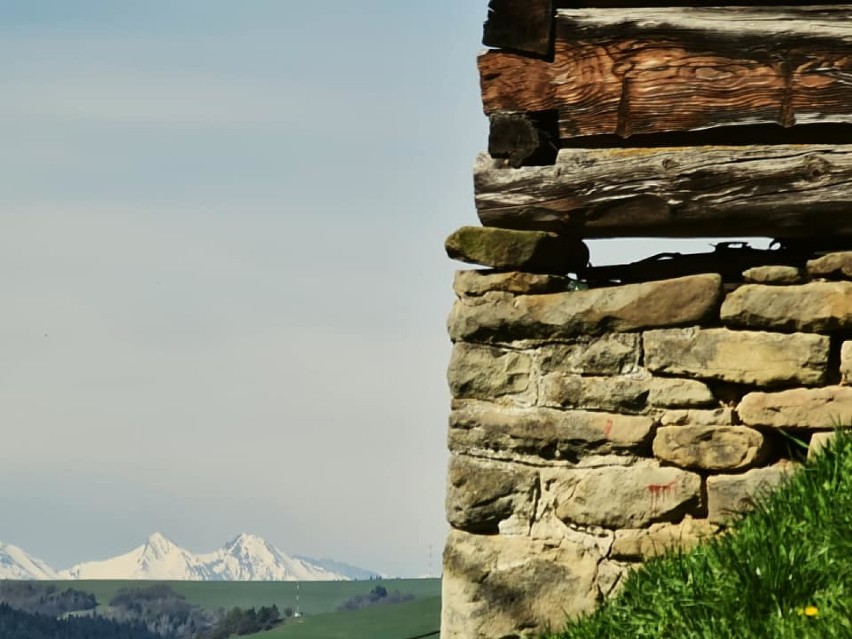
<point>251,558</point>
<point>17,564</point>
<point>347,570</point>
<point>245,558</point>
<point>157,558</point>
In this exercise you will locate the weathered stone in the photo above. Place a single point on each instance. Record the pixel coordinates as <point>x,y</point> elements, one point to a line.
<point>534,251</point>
<point>814,307</point>
<point>621,392</point>
<point>710,447</point>
<point>625,497</point>
<point>731,495</point>
<point>611,577</point>
<point>613,354</point>
<point>833,265</point>
<point>543,433</point>
<point>486,372</point>
<point>773,275</point>
<point>496,586</point>
<point>846,362</point>
<point>818,443</point>
<point>742,357</point>
<point>813,408</point>
<point>723,416</point>
<point>481,494</point>
<point>645,543</point>
<point>478,283</point>
<point>685,300</point>
<point>679,393</point>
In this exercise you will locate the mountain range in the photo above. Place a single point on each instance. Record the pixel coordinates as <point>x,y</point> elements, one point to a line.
<point>244,558</point>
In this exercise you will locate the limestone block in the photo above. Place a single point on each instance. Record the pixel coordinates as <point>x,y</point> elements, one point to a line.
<point>543,433</point>
<point>482,493</point>
<point>645,543</point>
<point>667,392</point>
<point>617,393</point>
<point>612,354</point>
<point>813,408</point>
<point>496,586</point>
<point>477,283</point>
<point>846,362</point>
<point>833,265</point>
<point>818,443</point>
<point>710,447</point>
<point>611,577</point>
<point>742,357</point>
<point>723,416</point>
<point>814,307</point>
<point>485,372</point>
<point>534,251</point>
<point>731,495</point>
<point>625,497</point>
<point>631,307</point>
<point>773,275</point>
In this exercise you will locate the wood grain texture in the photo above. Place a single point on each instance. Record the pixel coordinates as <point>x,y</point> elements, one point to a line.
<point>649,71</point>
<point>520,25</point>
<point>773,191</point>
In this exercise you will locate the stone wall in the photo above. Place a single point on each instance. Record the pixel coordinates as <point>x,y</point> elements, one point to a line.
<point>593,429</point>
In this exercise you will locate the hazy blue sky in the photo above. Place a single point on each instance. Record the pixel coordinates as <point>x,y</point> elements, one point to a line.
<point>224,287</point>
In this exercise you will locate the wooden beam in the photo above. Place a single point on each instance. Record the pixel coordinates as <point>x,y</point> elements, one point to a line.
<point>649,71</point>
<point>520,25</point>
<point>795,191</point>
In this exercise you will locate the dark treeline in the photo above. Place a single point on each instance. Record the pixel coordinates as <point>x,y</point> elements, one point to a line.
<point>31,611</point>
<point>16,624</point>
<point>44,599</point>
<point>161,610</point>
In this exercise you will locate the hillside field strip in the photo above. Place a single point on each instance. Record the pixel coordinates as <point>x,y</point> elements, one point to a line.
<point>317,602</point>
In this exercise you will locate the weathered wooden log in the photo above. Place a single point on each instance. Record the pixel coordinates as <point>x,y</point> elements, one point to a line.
<point>648,71</point>
<point>773,191</point>
<point>520,25</point>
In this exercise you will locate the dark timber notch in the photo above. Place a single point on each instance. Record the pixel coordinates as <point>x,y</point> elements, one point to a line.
<point>520,25</point>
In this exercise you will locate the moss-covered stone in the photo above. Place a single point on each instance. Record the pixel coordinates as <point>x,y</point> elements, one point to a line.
<point>531,251</point>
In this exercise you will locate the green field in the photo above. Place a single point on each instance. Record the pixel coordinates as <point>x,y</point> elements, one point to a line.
<point>318,602</point>
<point>398,621</point>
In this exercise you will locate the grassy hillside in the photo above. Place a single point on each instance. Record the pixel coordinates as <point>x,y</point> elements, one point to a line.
<point>398,621</point>
<point>315,597</point>
<point>785,573</point>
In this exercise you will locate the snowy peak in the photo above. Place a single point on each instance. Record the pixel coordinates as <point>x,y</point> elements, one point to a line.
<point>157,558</point>
<point>252,558</point>
<point>245,558</point>
<point>159,544</point>
<point>17,564</point>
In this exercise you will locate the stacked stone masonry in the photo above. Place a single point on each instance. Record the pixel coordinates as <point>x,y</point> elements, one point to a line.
<point>593,429</point>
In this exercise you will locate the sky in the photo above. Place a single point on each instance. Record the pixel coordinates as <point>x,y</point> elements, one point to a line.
<point>223,277</point>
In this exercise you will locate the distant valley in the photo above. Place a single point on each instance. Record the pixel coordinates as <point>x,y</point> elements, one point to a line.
<point>244,558</point>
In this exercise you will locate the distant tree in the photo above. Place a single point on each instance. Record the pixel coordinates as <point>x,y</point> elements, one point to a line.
<point>377,596</point>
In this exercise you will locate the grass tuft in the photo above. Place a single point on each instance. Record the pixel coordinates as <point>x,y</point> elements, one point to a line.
<point>784,572</point>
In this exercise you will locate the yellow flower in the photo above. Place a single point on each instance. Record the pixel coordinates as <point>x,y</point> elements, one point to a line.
<point>808,611</point>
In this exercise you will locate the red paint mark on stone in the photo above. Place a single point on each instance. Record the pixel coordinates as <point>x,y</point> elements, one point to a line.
<point>608,428</point>
<point>660,492</point>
